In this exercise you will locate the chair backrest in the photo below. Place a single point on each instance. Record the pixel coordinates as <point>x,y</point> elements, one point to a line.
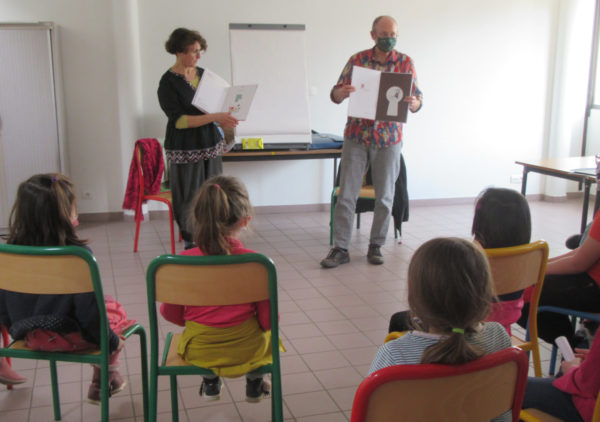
<point>476,391</point>
<point>518,267</point>
<point>139,156</point>
<point>212,280</point>
<point>53,270</point>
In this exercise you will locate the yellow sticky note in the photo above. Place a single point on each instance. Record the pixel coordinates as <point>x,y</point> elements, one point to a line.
<point>252,143</point>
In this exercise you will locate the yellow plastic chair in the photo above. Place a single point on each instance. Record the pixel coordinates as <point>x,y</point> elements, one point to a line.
<point>534,415</point>
<point>475,391</point>
<point>208,281</point>
<point>64,270</point>
<point>517,268</point>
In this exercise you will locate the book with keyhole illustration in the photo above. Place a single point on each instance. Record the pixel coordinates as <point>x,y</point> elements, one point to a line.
<point>379,95</point>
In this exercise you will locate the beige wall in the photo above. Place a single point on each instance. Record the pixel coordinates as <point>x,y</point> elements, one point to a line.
<point>487,69</point>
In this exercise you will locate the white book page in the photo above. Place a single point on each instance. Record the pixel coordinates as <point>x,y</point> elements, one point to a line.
<point>363,102</point>
<point>211,92</point>
<point>238,100</point>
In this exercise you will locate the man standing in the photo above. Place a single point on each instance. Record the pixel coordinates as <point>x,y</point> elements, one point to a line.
<point>378,143</point>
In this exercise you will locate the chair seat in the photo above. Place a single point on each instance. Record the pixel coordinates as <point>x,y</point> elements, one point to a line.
<point>20,345</point>
<point>164,196</point>
<point>366,192</point>
<point>173,358</point>
<point>516,341</point>
<point>541,416</point>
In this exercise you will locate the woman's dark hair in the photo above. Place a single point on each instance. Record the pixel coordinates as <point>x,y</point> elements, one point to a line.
<point>501,219</point>
<point>221,203</point>
<point>182,38</point>
<point>42,213</point>
<point>450,289</point>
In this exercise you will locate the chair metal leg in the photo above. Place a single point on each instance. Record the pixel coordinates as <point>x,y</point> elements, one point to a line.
<point>6,342</point>
<point>331,220</point>
<point>153,391</point>
<point>138,219</point>
<point>277,399</point>
<point>55,391</point>
<point>104,396</point>
<point>172,231</point>
<point>358,220</point>
<point>174,404</point>
<point>144,363</point>
<point>552,361</point>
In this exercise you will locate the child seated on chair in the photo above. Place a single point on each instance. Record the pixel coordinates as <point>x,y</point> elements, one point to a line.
<point>230,340</point>
<point>502,219</point>
<point>572,396</point>
<point>45,214</point>
<point>450,292</point>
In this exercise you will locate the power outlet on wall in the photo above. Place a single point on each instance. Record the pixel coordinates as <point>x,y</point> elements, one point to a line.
<point>516,179</point>
<point>86,195</point>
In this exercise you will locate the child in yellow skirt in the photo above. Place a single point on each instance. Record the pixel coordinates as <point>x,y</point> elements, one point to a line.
<point>231,340</point>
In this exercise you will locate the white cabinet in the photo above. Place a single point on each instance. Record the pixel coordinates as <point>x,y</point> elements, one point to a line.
<point>30,129</point>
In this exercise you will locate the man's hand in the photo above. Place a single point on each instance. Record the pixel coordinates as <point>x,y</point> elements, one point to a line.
<point>342,92</point>
<point>413,103</point>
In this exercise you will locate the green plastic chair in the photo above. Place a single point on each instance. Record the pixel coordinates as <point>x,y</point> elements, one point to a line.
<point>64,270</point>
<point>208,281</point>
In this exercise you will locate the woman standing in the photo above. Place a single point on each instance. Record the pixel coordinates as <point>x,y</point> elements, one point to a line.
<point>194,140</point>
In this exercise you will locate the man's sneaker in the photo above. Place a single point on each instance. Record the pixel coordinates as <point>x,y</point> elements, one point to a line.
<point>257,389</point>
<point>335,257</point>
<point>374,255</point>
<point>210,389</point>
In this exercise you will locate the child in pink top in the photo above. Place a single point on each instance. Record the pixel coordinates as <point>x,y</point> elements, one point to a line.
<point>502,219</point>
<point>573,395</point>
<point>231,340</point>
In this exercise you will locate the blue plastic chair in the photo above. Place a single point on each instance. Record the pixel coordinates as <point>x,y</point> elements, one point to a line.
<point>574,315</point>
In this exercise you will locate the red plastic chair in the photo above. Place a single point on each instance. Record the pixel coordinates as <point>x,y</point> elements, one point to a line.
<point>476,391</point>
<point>165,197</point>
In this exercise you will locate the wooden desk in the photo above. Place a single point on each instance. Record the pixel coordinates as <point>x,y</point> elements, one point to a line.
<point>563,168</point>
<point>262,155</point>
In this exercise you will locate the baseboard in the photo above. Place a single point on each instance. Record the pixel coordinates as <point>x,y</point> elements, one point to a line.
<point>306,208</point>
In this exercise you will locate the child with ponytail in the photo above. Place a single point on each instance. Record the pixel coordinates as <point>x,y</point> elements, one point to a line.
<point>450,292</point>
<point>231,340</point>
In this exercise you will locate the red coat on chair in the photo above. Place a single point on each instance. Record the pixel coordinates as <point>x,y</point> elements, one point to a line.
<point>153,167</point>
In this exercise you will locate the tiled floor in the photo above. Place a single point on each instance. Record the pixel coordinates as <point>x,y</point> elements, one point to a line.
<point>332,321</point>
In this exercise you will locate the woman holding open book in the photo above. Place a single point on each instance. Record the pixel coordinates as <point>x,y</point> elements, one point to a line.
<point>194,140</point>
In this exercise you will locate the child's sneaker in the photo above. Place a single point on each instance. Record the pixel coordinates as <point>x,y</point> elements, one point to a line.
<point>257,389</point>
<point>210,389</point>
<point>8,376</point>
<point>116,383</point>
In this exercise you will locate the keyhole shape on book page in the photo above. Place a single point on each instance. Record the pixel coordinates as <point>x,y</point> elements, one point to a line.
<point>394,94</point>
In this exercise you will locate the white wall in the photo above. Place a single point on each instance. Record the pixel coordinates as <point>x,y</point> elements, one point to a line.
<point>486,68</point>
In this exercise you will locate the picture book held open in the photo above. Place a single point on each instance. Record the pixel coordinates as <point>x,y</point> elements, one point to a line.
<point>215,95</point>
<point>379,95</point>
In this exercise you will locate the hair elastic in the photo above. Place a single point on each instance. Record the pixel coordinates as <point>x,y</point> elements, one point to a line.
<point>54,178</point>
<point>218,186</point>
<point>458,330</point>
